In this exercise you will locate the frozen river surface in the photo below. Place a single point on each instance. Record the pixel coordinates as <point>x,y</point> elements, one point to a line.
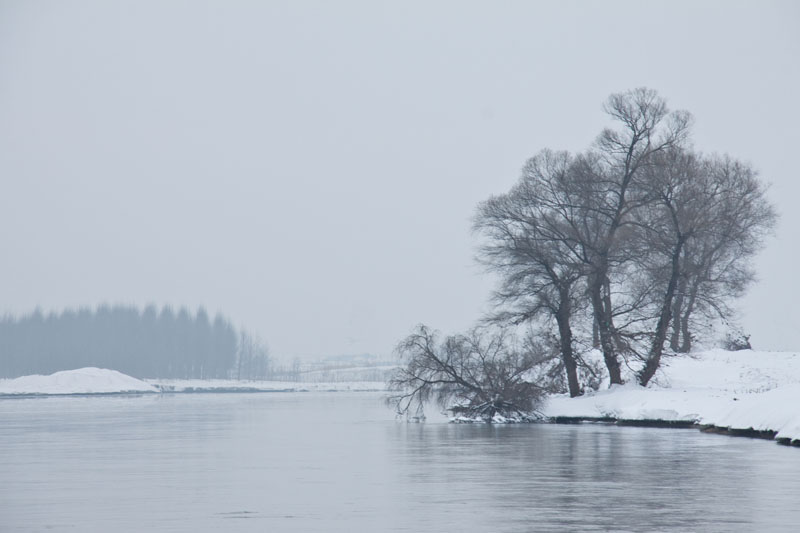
<point>340,462</point>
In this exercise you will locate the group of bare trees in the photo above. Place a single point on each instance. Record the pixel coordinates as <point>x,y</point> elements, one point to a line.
<point>253,361</point>
<point>629,247</point>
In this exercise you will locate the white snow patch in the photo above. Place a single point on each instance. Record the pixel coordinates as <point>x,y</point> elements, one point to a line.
<point>88,380</point>
<point>231,385</point>
<point>102,381</point>
<point>738,390</point>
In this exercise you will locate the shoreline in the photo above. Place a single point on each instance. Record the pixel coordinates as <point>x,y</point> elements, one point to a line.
<point>191,390</point>
<point>750,432</point>
<point>763,434</point>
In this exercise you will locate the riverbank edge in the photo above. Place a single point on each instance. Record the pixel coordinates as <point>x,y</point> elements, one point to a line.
<point>766,434</point>
<point>167,390</point>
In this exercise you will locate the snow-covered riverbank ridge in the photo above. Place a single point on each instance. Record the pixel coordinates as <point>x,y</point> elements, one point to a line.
<point>742,392</point>
<point>230,385</point>
<point>86,381</point>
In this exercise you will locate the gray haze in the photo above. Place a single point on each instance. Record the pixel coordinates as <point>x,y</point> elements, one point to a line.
<point>310,168</point>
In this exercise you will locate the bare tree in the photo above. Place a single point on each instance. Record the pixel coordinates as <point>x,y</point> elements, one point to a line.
<point>528,244</point>
<point>717,261</point>
<point>613,183</point>
<point>572,211</point>
<point>683,197</point>
<point>480,374</point>
<point>252,358</point>
<point>650,232</point>
<point>697,203</point>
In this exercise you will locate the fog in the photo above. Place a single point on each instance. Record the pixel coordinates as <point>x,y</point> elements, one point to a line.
<point>310,169</point>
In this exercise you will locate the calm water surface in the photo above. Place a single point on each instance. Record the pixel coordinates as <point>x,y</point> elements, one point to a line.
<point>341,462</point>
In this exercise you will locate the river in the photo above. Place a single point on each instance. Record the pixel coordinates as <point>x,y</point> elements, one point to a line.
<point>331,462</point>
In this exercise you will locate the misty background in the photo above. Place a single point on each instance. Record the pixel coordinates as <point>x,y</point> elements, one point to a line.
<point>310,169</point>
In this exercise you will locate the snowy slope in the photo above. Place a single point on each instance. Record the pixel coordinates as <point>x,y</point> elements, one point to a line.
<point>737,390</point>
<point>82,381</point>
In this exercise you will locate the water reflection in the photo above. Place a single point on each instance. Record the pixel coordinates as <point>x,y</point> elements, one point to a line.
<point>340,462</point>
<point>585,478</point>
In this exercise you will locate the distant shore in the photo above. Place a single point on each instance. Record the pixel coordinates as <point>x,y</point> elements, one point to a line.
<point>104,382</point>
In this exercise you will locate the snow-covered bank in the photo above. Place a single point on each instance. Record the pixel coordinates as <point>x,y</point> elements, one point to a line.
<point>230,385</point>
<point>82,381</point>
<point>102,381</point>
<point>736,390</point>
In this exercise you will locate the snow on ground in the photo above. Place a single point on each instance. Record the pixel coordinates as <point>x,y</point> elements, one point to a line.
<point>230,385</point>
<point>82,381</point>
<point>374,373</point>
<point>737,390</point>
<point>102,381</point>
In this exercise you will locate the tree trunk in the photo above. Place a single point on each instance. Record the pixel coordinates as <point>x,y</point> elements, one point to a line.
<point>603,317</point>
<point>686,345</point>
<point>677,311</point>
<point>657,347</point>
<point>565,334</point>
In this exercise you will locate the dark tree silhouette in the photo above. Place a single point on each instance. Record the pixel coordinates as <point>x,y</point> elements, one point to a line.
<point>479,374</point>
<point>638,229</point>
<point>528,244</point>
<point>145,344</point>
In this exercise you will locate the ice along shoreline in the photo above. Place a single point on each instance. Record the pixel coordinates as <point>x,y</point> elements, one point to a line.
<point>766,434</point>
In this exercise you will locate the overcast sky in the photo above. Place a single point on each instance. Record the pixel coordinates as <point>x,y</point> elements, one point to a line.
<point>310,168</point>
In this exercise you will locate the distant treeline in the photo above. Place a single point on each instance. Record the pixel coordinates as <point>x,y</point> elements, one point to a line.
<point>149,343</point>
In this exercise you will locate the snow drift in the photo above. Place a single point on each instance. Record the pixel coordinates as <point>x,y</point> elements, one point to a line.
<point>735,390</point>
<point>82,381</point>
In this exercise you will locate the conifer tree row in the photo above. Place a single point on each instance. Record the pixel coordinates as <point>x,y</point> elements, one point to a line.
<point>148,343</point>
